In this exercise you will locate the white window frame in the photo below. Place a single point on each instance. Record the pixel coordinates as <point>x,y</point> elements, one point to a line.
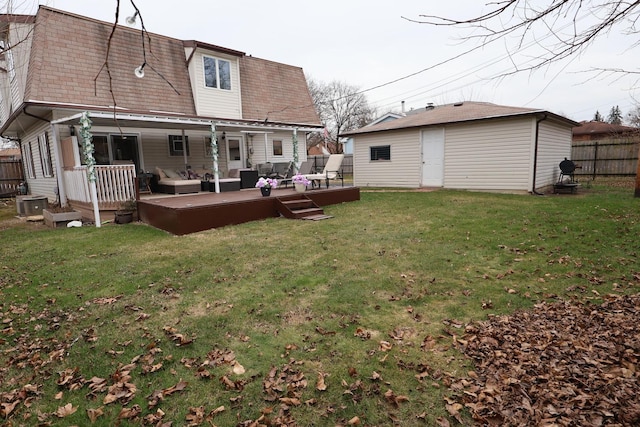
<point>216,65</point>
<point>273,147</point>
<point>28,160</point>
<point>45,155</point>
<point>174,150</point>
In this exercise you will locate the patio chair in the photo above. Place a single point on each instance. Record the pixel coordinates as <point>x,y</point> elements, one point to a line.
<point>305,168</point>
<point>265,169</point>
<point>331,171</point>
<point>282,170</point>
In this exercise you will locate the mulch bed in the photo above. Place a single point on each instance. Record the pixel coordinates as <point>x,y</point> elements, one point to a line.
<point>560,364</point>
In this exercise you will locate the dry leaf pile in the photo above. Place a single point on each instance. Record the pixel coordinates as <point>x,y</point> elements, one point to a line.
<point>561,364</point>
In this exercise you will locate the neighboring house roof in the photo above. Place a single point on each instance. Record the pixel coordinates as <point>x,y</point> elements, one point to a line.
<point>386,118</point>
<point>318,150</point>
<point>602,128</point>
<point>455,113</point>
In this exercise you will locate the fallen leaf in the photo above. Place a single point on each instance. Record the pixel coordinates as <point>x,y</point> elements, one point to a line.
<point>65,411</point>
<point>320,385</point>
<point>355,421</point>
<point>94,414</point>
<point>238,369</point>
<point>129,413</point>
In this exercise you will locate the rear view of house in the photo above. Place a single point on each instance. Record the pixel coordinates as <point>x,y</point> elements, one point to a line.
<point>159,116</point>
<point>468,145</point>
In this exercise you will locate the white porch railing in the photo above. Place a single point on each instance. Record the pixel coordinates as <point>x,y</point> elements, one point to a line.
<point>115,184</point>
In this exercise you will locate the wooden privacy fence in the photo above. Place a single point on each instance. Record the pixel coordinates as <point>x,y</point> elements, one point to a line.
<point>11,176</point>
<point>603,158</point>
<point>320,161</point>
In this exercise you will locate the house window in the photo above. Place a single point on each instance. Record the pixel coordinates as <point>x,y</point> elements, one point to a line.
<point>277,147</point>
<point>45,155</point>
<point>176,146</point>
<point>381,152</point>
<point>217,73</point>
<point>28,160</point>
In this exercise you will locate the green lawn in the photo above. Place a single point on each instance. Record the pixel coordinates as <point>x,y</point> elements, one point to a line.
<point>298,322</point>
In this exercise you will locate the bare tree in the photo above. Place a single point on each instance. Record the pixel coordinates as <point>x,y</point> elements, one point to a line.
<point>633,117</point>
<point>341,108</point>
<point>562,28</point>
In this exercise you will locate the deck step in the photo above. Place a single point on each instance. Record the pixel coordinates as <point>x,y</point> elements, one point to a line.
<point>317,217</point>
<point>300,207</point>
<point>298,203</point>
<point>307,211</point>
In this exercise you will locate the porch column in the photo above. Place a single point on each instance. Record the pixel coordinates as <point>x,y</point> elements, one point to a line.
<point>184,152</point>
<point>214,153</point>
<point>266,148</point>
<point>87,147</point>
<point>295,150</point>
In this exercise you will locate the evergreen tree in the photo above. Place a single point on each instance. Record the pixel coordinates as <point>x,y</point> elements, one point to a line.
<point>598,117</point>
<point>615,116</point>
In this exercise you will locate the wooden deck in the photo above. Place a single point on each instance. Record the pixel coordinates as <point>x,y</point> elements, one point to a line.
<point>202,211</point>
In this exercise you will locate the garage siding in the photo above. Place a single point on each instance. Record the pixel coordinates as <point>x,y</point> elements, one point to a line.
<point>493,155</point>
<point>552,149</point>
<point>403,170</point>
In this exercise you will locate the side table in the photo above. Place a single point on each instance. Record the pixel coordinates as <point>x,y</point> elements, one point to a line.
<point>248,178</point>
<point>144,182</point>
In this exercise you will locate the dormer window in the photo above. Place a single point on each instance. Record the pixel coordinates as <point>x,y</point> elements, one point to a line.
<point>217,73</point>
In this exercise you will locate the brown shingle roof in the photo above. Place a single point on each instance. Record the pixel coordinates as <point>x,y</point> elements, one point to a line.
<point>275,91</point>
<point>602,128</point>
<point>69,51</point>
<point>454,113</point>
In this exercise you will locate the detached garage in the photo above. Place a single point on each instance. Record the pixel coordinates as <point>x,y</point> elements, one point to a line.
<point>467,145</point>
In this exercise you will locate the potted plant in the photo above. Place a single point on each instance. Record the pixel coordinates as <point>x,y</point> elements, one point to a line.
<point>124,214</point>
<point>265,185</point>
<point>59,216</point>
<point>300,182</point>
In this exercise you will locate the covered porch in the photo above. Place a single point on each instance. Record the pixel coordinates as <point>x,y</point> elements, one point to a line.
<point>129,148</point>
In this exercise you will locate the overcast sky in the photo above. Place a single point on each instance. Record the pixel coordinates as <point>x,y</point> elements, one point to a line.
<point>367,43</point>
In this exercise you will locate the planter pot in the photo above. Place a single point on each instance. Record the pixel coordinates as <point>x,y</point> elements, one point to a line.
<point>300,188</point>
<point>266,191</point>
<point>123,217</point>
<point>60,219</point>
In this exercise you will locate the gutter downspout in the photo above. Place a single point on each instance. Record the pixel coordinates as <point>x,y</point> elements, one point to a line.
<point>535,156</point>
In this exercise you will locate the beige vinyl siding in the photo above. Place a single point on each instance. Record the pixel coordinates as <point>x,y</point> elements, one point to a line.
<point>153,145</point>
<point>403,170</point>
<point>492,155</point>
<point>259,151</point>
<point>554,144</point>
<point>214,102</point>
<point>42,186</point>
<point>20,41</point>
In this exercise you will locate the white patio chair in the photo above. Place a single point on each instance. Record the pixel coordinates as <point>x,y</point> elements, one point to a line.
<point>331,171</point>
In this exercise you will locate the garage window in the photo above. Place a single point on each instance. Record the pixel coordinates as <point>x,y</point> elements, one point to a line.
<point>379,153</point>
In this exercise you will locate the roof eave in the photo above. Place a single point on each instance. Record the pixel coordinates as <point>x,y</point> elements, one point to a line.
<point>167,118</point>
<point>364,130</point>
